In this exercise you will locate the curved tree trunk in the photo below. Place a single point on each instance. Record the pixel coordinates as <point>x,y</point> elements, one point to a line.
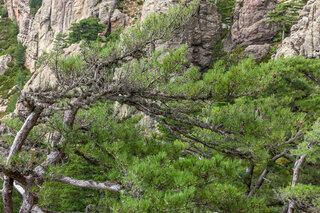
<point>19,140</point>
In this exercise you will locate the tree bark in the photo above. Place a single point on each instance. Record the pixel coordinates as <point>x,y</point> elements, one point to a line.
<point>249,172</point>
<point>22,135</point>
<point>35,208</point>
<point>7,195</point>
<point>19,140</point>
<point>29,200</point>
<point>108,186</point>
<point>295,179</point>
<point>265,172</point>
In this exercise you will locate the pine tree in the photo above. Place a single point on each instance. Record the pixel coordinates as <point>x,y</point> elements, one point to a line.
<point>86,29</point>
<point>225,9</point>
<point>285,15</point>
<point>19,55</point>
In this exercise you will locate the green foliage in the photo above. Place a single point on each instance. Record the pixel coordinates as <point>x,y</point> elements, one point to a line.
<point>307,197</point>
<point>13,76</point>
<point>12,103</point>
<point>8,36</point>
<point>114,36</point>
<point>225,9</point>
<point>285,15</point>
<point>156,169</point>
<point>218,53</point>
<point>34,6</point>
<point>3,11</point>
<point>16,74</point>
<point>163,176</point>
<point>20,55</point>
<point>87,29</point>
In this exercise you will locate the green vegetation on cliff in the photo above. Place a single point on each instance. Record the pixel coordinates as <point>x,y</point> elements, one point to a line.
<point>34,6</point>
<point>225,9</point>
<point>16,74</point>
<point>87,29</point>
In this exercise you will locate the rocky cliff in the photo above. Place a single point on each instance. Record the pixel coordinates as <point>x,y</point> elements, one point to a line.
<point>200,34</point>
<point>305,35</point>
<point>37,32</point>
<point>250,28</point>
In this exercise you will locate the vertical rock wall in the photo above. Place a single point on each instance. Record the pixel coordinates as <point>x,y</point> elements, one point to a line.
<point>305,35</point>
<point>37,32</point>
<point>200,35</point>
<point>250,27</point>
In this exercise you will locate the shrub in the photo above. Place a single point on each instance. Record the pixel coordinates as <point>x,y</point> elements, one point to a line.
<point>34,6</point>
<point>87,29</point>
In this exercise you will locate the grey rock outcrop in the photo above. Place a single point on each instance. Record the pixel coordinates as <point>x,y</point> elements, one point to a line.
<point>305,35</point>
<point>250,27</point>
<point>37,32</point>
<point>200,34</point>
<point>257,51</point>
<point>4,60</point>
<point>44,75</point>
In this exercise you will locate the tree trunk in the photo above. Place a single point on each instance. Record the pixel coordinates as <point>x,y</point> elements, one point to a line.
<point>19,140</point>
<point>22,135</point>
<point>7,195</point>
<point>28,202</point>
<point>283,32</point>
<point>249,172</point>
<point>266,171</point>
<point>295,179</point>
<point>259,183</point>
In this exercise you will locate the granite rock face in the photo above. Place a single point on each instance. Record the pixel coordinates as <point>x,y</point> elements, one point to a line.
<point>200,35</point>
<point>305,35</point>
<point>250,27</point>
<point>257,51</point>
<point>4,60</point>
<point>37,32</point>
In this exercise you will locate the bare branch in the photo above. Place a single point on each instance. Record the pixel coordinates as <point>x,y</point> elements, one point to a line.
<point>295,178</point>
<point>108,186</point>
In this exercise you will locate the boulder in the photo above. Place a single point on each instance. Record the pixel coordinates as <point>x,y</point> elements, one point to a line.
<point>4,60</point>
<point>257,51</point>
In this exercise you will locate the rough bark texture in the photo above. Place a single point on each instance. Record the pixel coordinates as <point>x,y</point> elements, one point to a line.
<point>22,135</point>
<point>109,186</point>
<point>7,194</point>
<point>305,35</point>
<point>295,179</point>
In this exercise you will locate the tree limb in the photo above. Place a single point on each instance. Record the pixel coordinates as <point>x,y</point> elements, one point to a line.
<point>108,186</point>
